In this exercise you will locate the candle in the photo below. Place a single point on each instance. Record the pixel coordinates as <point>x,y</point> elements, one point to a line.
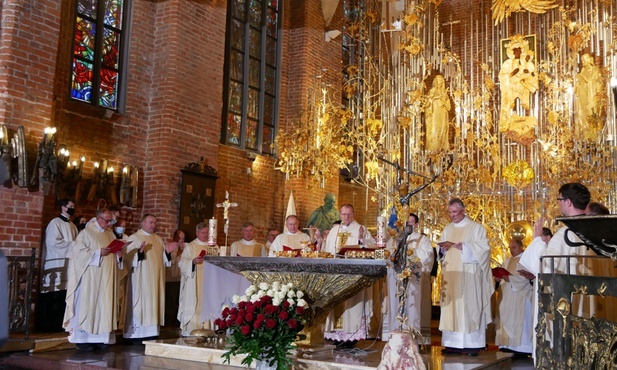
<point>381,231</point>
<point>212,231</point>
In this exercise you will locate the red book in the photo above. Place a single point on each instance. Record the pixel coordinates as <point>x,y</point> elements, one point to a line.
<point>202,254</point>
<point>500,272</point>
<point>296,251</point>
<point>117,244</point>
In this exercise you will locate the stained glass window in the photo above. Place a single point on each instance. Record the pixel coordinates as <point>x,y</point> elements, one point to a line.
<point>251,87</point>
<point>98,52</point>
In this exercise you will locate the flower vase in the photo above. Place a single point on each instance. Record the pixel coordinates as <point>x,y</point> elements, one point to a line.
<point>264,365</point>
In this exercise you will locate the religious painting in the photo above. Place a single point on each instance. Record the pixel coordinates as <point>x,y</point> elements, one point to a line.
<point>505,44</point>
<point>196,200</point>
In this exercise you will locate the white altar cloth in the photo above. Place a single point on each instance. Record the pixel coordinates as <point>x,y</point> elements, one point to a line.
<point>219,286</point>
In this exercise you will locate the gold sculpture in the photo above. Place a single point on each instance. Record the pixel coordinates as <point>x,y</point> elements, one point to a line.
<point>502,9</point>
<point>437,116</point>
<point>589,89</point>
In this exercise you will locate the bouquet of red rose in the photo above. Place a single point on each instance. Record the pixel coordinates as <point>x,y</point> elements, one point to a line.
<point>264,324</point>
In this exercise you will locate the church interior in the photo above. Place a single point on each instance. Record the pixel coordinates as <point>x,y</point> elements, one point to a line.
<point>175,107</point>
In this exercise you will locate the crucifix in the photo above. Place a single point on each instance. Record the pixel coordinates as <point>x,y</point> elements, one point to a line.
<point>226,205</point>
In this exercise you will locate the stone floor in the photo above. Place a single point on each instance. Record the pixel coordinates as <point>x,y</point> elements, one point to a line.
<point>53,352</point>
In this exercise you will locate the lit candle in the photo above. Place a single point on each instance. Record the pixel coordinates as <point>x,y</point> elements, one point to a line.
<point>212,231</point>
<point>110,170</point>
<point>49,133</point>
<point>96,164</point>
<point>74,164</point>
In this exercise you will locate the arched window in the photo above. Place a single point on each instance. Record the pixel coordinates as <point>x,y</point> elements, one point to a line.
<point>251,78</point>
<point>99,52</point>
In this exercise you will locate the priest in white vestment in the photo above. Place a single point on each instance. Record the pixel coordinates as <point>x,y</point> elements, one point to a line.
<point>418,302</point>
<point>91,313</point>
<point>572,201</point>
<point>358,309</point>
<point>148,256</point>
<point>247,246</point>
<point>192,269</point>
<point>514,330</point>
<point>292,238</point>
<point>467,283</point>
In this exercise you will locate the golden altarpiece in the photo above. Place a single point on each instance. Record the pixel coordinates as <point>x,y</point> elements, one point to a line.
<point>496,102</point>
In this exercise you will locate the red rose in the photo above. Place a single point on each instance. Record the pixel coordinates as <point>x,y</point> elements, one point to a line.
<point>258,304</point>
<point>248,317</point>
<point>283,315</point>
<point>261,317</point>
<point>250,308</point>
<point>241,304</point>
<point>229,323</point>
<point>239,320</point>
<point>266,299</point>
<point>257,324</point>
<point>241,312</point>
<point>270,323</point>
<point>233,311</point>
<point>292,323</point>
<point>285,304</point>
<point>245,329</point>
<point>299,310</point>
<point>225,311</point>
<point>269,309</point>
<point>222,325</point>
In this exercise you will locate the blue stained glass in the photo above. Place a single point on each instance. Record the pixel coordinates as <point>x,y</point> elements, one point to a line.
<point>81,81</point>
<point>254,43</point>
<point>235,97</point>
<point>87,8</point>
<point>237,35</point>
<point>254,74</point>
<point>251,134</point>
<point>255,13</point>
<point>113,13</point>
<point>239,10</point>
<point>252,106</point>
<point>271,22</point>
<point>236,63</point>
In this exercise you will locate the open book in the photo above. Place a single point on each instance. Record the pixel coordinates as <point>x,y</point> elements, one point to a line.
<point>296,251</point>
<point>500,272</point>
<point>117,244</point>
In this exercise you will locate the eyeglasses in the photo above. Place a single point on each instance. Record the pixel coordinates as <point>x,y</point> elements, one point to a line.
<point>106,221</point>
<point>559,198</point>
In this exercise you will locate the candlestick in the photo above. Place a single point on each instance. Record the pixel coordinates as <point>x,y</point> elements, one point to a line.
<point>212,231</point>
<point>381,231</point>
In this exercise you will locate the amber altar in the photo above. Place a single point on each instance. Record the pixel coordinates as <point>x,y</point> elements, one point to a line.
<point>325,281</point>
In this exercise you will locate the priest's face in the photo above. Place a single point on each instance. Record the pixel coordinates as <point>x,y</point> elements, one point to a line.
<point>202,235</point>
<point>104,220</point>
<point>272,234</point>
<point>456,212</point>
<point>149,224</point>
<point>248,233</point>
<point>346,215</point>
<point>292,224</point>
<point>516,247</point>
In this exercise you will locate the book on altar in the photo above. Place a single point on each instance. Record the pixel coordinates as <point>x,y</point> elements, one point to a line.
<point>117,244</point>
<point>296,251</point>
<point>500,272</point>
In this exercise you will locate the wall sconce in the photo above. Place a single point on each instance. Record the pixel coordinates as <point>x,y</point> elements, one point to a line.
<point>128,186</point>
<point>251,156</point>
<point>46,160</point>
